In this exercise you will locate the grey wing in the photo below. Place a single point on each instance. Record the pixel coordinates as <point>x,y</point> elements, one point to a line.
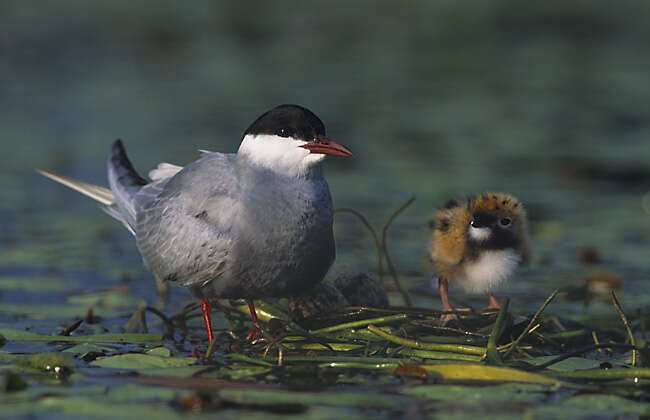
<point>184,224</point>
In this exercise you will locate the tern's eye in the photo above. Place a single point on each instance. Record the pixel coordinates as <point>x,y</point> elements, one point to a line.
<point>285,132</point>
<point>505,221</point>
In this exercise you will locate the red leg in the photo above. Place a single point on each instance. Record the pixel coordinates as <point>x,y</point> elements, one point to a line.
<point>494,304</point>
<point>255,332</point>
<point>205,308</point>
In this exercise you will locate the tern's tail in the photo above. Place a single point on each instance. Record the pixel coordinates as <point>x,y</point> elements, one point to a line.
<point>124,181</point>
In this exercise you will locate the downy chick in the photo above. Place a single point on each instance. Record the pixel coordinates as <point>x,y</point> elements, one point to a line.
<point>479,243</point>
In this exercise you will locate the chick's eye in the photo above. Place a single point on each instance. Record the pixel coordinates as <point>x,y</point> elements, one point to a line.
<point>505,221</point>
<point>284,132</point>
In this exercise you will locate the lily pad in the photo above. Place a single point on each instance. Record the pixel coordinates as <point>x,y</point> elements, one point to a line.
<point>140,361</point>
<point>570,364</point>
<point>477,374</point>
<point>160,351</point>
<point>26,336</point>
<point>87,348</point>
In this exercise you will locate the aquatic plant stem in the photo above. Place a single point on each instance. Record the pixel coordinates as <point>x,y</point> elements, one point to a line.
<point>352,359</point>
<point>361,323</point>
<point>70,328</point>
<point>435,355</point>
<point>353,365</point>
<point>208,352</point>
<point>391,268</point>
<point>492,355</point>
<point>617,305</point>
<point>603,374</point>
<point>169,324</point>
<point>378,247</point>
<point>454,348</point>
<point>532,322</point>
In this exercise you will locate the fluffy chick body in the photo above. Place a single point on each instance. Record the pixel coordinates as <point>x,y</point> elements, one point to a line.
<point>479,242</point>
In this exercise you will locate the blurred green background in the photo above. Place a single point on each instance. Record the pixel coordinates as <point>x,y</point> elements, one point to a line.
<point>544,100</point>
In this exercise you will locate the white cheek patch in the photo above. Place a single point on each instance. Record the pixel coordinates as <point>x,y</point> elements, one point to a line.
<point>489,270</point>
<point>278,153</point>
<point>479,234</point>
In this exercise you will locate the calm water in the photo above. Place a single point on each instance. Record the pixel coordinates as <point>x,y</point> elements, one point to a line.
<point>436,99</point>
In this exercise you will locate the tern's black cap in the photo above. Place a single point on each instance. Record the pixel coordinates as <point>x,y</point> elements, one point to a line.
<point>288,121</point>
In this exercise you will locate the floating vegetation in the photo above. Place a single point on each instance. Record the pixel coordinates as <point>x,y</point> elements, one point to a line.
<point>401,350</point>
<point>320,355</point>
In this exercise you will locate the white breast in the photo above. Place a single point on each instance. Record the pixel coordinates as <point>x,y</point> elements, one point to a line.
<point>489,270</point>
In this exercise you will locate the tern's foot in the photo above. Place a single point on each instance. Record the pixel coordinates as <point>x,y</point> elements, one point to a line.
<point>198,354</point>
<point>258,334</point>
<point>255,334</point>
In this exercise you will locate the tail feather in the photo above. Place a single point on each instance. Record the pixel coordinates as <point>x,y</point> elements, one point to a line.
<point>97,193</point>
<point>125,181</point>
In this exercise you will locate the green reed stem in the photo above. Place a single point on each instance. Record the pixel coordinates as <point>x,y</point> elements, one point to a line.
<point>353,365</point>
<point>492,355</point>
<point>435,355</point>
<point>454,348</point>
<point>350,359</point>
<point>378,247</point>
<point>603,374</point>
<point>391,268</point>
<point>617,305</point>
<point>362,323</point>
<point>531,324</point>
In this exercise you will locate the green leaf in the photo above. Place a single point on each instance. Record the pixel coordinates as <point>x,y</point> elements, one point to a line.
<point>237,371</point>
<point>477,374</point>
<point>140,361</point>
<point>570,364</point>
<point>26,336</point>
<point>160,351</point>
<point>88,348</point>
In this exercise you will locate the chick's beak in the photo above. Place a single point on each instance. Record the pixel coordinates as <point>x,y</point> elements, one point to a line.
<point>481,221</point>
<point>476,224</point>
<point>327,147</point>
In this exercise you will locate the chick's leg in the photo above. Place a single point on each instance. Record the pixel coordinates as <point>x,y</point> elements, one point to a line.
<point>449,314</point>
